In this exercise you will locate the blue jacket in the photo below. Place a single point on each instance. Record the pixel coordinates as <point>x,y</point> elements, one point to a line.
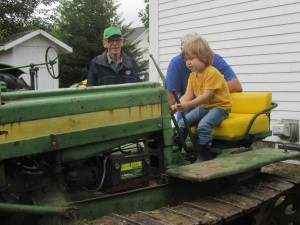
<point>101,73</point>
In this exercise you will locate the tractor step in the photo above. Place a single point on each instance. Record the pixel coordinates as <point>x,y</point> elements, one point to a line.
<point>231,164</point>
<point>223,207</point>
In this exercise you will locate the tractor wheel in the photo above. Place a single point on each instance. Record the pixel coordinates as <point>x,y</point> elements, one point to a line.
<point>284,211</point>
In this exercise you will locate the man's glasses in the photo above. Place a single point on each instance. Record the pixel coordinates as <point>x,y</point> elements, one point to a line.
<point>117,40</point>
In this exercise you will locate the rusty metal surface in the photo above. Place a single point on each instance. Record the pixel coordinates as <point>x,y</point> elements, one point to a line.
<point>145,218</point>
<point>224,206</point>
<point>230,165</point>
<point>225,211</point>
<point>203,216</point>
<point>169,216</point>
<point>240,201</point>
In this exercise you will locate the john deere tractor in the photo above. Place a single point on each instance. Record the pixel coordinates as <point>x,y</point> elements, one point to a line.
<point>108,155</point>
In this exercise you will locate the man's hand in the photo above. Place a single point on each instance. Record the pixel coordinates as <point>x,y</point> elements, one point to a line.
<point>173,109</point>
<point>171,98</point>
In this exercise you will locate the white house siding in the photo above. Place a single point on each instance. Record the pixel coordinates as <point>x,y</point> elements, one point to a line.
<point>260,39</point>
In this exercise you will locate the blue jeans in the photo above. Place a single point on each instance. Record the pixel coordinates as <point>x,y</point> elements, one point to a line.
<point>205,119</point>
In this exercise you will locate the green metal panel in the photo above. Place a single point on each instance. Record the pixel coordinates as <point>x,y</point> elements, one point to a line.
<point>113,134</point>
<point>40,210</point>
<point>3,87</point>
<point>231,164</point>
<point>148,198</point>
<point>33,105</point>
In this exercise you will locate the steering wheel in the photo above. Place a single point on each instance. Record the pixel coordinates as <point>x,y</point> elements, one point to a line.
<point>50,58</point>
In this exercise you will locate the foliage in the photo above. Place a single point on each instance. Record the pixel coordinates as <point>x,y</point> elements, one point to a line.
<point>144,14</point>
<point>80,24</point>
<point>20,15</point>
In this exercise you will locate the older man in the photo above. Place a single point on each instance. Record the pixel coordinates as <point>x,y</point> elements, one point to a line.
<point>114,66</point>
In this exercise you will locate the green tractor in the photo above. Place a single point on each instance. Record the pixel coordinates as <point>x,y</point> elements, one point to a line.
<point>107,155</point>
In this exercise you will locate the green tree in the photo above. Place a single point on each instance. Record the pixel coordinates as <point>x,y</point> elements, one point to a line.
<point>19,15</point>
<point>80,24</point>
<point>144,14</point>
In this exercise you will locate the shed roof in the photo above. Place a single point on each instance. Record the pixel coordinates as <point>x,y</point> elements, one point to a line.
<point>138,31</point>
<point>18,38</point>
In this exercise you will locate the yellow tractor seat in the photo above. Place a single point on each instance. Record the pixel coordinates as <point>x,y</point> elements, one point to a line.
<point>235,125</point>
<point>82,84</point>
<point>250,116</point>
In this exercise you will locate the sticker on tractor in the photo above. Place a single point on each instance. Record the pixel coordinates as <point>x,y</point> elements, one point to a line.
<point>131,166</point>
<point>131,170</point>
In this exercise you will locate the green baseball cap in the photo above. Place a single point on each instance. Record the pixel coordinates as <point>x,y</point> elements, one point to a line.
<point>111,31</point>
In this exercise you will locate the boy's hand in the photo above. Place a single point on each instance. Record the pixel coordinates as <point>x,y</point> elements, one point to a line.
<point>181,107</point>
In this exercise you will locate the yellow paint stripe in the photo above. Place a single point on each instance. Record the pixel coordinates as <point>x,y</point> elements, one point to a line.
<point>72,123</point>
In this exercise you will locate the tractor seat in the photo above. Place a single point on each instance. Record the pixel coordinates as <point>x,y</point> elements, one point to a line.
<point>249,116</point>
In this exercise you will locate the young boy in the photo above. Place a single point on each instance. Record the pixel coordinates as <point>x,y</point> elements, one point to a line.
<point>207,91</point>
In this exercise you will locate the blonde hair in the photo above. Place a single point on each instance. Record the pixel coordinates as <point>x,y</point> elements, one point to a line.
<point>198,48</point>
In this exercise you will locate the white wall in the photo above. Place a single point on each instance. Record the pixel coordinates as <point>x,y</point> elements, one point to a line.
<point>260,39</point>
